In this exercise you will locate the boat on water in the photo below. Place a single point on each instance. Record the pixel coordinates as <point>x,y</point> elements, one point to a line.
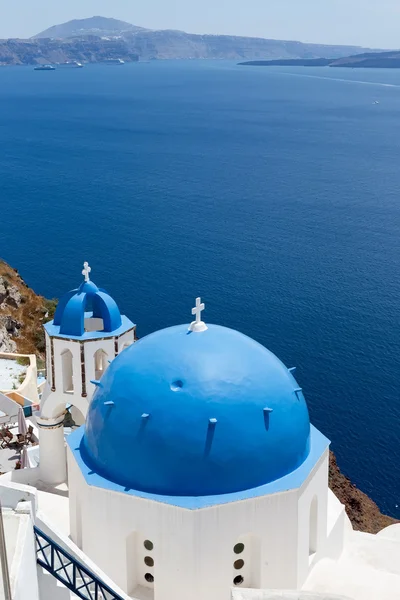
<point>44,68</point>
<point>114,61</point>
<point>71,64</point>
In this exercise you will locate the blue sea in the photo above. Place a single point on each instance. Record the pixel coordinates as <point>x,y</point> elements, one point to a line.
<point>272,193</point>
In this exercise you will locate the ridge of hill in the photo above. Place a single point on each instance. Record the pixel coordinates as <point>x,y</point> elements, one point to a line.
<point>101,26</point>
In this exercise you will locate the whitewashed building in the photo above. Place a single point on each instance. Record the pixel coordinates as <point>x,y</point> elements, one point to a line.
<point>199,460</point>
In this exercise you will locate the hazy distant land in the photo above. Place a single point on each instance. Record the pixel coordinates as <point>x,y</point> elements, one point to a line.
<point>370,60</point>
<point>99,38</point>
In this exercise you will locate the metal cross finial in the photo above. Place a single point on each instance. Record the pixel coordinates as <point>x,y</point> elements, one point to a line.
<point>86,271</point>
<point>198,324</point>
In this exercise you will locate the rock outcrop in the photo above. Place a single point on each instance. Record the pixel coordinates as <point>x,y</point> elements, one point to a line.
<point>363,513</point>
<point>22,314</point>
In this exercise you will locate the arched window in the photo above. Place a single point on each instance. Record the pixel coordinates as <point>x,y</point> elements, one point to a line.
<point>125,346</point>
<point>313,527</point>
<point>67,372</point>
<point>100,363</point>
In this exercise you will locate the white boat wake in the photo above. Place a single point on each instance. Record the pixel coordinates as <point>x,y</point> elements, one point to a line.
<point>357,81</point>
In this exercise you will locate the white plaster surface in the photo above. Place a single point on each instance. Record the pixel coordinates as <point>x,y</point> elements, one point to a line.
<point>274,530</point>
<point>10,371</point>
<point>21,556</point>
<point>8,410</point>
<point>246,594</point>
<point>56,508</point>
<point>391,533</point>
<point>368,569</point>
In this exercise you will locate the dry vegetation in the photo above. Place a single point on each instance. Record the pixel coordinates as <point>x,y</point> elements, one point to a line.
<point>32,312</point>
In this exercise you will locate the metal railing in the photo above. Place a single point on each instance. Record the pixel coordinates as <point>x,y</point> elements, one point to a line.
<point>69,571</point>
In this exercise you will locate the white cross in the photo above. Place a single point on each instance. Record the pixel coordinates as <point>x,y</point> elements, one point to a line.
<point>198,324</point>
<point>198,309</point>
<point>86,271</point>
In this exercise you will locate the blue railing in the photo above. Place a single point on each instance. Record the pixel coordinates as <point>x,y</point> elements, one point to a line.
<point>69,571</point>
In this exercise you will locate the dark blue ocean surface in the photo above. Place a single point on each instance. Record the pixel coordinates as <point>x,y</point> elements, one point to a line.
<point>272,193</point>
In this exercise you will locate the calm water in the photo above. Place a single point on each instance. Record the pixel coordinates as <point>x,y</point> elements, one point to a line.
<point>272,193</point>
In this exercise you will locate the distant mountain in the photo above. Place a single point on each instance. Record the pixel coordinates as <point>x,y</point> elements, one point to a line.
<point>100,26</point>
<point>98,38</point>
<point>367,60</point>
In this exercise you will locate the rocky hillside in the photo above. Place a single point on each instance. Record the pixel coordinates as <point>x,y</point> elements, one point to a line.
<point>42,51</point>
<point>22,314</point>
<point>363,513</point>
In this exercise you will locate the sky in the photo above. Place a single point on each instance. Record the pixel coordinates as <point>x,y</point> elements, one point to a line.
<point>370,23</point>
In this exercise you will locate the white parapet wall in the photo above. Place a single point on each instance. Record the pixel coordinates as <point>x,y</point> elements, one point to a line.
<point>28,388</point>
<point>248,594</point>
<point>21,554</point>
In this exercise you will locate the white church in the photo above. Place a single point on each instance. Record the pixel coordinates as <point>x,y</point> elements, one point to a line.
<point>192,473</point>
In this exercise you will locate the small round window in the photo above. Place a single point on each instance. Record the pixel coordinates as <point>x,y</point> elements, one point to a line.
<point>149,577</point>
<point>238,564</point>
<point>148,545</point>
<point>238,580</point>
<point>238,548</point>
<point>149,561</point>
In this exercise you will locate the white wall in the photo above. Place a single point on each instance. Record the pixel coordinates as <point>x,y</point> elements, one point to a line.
<point>23,575</point>
<point>45,525</point>
<point>28,388</point>
<point>315,488</point>
<point>194,549</point>
<point>24,476</point>
<point>10,408</point>
<point>11,494</point>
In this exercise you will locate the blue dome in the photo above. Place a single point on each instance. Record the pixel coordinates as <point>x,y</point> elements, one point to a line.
<point>88,301</point>
<point>195,414</point>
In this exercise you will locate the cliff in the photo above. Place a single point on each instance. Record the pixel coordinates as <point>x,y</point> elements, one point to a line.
<point>363,513</point>
<point>22,314</point>
<point>83,49</point>
<point>97,38</point>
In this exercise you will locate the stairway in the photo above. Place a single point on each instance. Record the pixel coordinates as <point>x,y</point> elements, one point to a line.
<point>61,576</point>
